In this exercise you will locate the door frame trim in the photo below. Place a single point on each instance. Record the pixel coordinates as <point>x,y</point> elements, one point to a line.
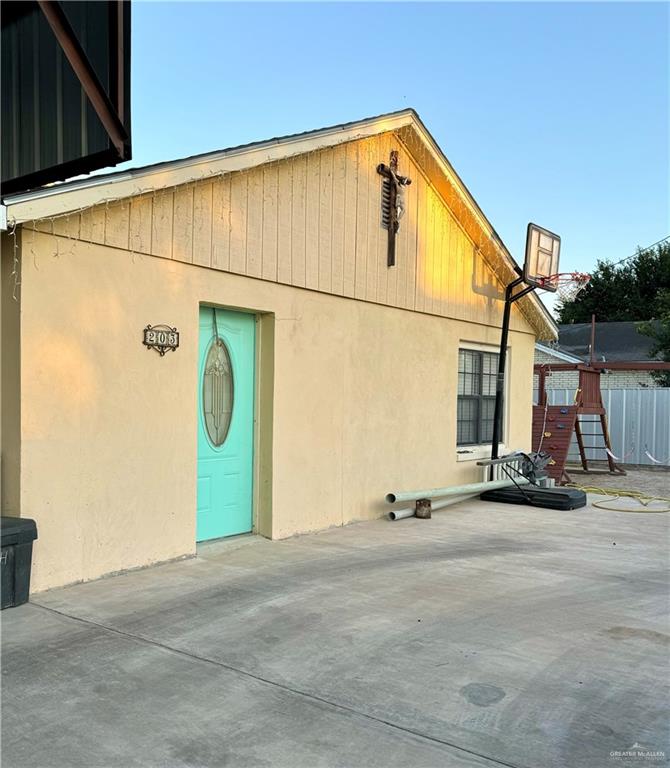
<point>263,423</point>
<point>261,492</point>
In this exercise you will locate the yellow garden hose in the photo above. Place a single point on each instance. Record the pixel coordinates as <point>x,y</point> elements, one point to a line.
<point>643,499</point>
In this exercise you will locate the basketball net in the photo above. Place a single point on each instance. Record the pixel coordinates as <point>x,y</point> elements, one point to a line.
<point>567,285</point>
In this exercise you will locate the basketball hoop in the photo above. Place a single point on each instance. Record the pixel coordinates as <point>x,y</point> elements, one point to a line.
<point>540,270</point>
<point>567,285</point>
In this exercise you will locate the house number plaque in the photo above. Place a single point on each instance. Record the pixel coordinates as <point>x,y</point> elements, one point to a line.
<point>161,338</point>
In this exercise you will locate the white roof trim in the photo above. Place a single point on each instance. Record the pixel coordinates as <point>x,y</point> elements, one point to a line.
<point>60,199</point>
<point>559,355</point>
<point>71,196</point>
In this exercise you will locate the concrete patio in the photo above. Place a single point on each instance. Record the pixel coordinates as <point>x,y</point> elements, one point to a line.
<point>489,635</point>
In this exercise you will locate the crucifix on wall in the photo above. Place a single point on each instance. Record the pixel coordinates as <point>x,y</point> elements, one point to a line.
<point>393,201</point>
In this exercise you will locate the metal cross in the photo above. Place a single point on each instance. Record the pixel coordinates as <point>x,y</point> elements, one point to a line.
<point>393,201</point>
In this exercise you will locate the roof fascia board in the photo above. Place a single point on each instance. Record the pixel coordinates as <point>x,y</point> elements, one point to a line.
<point>67,198</point>
<point>73,196</point>
<point>559,355</point>
<point>445,167</point>
<point>448,170</point>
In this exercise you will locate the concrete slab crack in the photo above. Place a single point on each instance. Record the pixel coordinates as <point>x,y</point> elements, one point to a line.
<point>281,686</point>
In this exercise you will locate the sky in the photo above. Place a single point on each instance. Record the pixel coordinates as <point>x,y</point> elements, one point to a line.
<point>556,113</point>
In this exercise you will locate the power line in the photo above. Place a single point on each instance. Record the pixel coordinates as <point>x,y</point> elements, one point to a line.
<point>642,250</point>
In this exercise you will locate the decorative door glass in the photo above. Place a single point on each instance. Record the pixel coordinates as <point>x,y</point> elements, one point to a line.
<point>217,392</point>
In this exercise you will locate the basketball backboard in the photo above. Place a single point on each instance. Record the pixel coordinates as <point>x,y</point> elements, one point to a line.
<point>542,257</point>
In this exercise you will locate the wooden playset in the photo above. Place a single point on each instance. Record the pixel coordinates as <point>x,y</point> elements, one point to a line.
<point>554,425</point>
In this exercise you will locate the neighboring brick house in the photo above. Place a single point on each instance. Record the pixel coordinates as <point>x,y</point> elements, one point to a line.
<point>620,342</point>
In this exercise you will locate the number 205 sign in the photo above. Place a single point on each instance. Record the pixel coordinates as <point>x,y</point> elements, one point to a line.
<point>161,338</point>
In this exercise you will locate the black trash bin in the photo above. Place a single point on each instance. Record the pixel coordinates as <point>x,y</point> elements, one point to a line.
<point>18,534</point>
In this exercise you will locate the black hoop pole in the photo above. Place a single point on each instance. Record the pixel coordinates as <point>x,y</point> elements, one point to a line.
<point>510,298</point>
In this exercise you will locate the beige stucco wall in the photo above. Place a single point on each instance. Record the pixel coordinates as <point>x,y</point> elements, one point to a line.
<point>10,341</point>
<point>364,402</point>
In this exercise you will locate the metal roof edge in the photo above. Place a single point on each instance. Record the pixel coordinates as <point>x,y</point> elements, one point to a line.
<point>555,353</point>
<point>65,197</point>
<point>444,161</point>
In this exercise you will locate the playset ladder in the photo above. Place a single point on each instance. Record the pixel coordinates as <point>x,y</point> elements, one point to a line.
<point>614,468</point>
<point>553,425</point>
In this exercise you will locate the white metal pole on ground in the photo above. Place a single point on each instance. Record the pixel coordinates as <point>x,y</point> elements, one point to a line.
<point>455,490</point>
<point>400,514</point>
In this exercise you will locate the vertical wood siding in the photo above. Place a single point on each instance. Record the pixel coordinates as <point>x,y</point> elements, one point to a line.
<point>312,221</point>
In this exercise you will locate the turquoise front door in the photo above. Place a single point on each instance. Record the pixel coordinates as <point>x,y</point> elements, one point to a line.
<point>225,423</point>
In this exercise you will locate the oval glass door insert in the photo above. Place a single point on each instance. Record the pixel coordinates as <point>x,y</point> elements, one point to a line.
<point>217,392</point>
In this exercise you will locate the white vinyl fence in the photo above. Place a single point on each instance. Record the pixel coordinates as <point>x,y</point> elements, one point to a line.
<point>638,420</point>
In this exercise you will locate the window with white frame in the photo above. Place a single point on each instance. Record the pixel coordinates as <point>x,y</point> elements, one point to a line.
<point>477,372</point>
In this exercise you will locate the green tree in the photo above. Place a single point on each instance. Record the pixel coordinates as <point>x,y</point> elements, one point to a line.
<point>631,290</point>
<point>660,332</point>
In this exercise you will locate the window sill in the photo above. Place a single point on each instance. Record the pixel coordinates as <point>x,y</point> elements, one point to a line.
<point>478,452</point>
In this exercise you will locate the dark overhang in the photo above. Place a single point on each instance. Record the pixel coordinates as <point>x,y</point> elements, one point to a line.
<point>65,90</point>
